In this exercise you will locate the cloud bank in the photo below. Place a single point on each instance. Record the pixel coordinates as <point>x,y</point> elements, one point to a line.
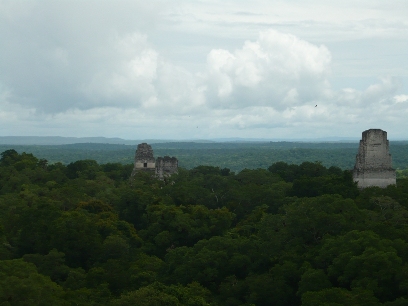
<point>66,71</point>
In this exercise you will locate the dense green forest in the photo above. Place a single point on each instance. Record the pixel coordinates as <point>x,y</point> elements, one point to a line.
<point>235,156</point>
<point>84,233</point>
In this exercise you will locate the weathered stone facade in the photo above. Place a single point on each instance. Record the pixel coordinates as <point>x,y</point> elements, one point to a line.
<point>373,162</point>
<point>161,167</point>
<point>144,160</point>
<point>166,166</point>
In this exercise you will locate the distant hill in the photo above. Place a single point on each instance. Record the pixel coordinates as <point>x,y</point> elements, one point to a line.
<point>56,140</point>
<point>59,140</point>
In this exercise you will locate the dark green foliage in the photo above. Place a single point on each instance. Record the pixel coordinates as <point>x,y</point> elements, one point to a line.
<point>83,168</point>
<point>331,184</point>
<point>21,284</point>
<point>313,280</point>
<point>158,294</point>
<point>291,234</point>
<point>339,296</point>
<point>52,265</point>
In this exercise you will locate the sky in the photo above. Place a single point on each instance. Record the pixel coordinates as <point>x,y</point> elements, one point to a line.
<point>190,69</point>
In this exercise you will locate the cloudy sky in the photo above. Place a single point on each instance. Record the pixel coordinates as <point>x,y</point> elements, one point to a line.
<point>189,69</point>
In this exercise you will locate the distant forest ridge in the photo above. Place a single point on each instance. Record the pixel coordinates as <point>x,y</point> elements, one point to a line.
<point>59,140</point>
<point>235,156</point>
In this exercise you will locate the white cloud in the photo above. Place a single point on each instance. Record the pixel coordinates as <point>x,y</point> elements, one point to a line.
<point>139,77</point>
<point>277,70</point>
<point>401,98</point>
<point>128,79</point>
<point>370,98</point>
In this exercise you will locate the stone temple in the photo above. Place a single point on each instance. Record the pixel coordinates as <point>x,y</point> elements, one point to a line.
<point>161,167</point>
<point>373,162</point>
<point>144,160</point>
<point>166,166</point>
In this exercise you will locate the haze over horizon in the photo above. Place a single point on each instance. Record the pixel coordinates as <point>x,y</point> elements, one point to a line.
<point>203,69</point>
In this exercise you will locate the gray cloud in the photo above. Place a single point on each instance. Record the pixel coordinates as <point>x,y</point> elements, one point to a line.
<point>134,69</point>
<point>53,48</point>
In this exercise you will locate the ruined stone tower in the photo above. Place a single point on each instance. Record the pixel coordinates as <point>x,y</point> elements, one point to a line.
<point>373,162</point>
<point>166,166</point>
<point>145,161</point>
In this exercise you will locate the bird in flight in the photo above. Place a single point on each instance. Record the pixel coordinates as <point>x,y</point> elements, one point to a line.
<point>316,105</point>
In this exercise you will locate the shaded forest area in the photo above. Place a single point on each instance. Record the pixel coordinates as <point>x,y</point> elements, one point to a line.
<point>234,156</point>
<point>287,234</point>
